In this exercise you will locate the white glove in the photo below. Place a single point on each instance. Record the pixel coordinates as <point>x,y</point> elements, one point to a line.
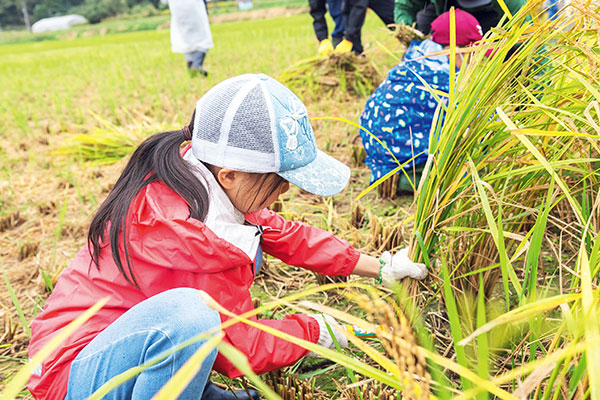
<point>400,266</point>
<point>325,339</point>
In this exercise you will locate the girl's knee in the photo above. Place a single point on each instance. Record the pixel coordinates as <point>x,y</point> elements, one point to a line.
<point>187,311</point>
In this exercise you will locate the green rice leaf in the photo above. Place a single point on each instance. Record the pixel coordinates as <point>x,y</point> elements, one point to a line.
<point>524,312</point>
<point>177,384</point>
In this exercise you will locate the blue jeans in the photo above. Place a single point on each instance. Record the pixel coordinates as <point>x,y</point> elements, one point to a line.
<point>337,14</point>
<point>195,59</point>
<point>145,331</point>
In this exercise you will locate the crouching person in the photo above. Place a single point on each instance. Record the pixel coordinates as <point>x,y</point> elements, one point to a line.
<point>401,110</point>
<point>197,219</point>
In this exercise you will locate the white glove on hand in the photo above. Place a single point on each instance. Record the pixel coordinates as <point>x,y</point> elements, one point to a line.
<point>325,339</point>
<point>400,266</point>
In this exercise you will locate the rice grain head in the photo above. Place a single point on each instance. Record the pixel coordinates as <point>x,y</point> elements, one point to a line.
<point>399,341</point>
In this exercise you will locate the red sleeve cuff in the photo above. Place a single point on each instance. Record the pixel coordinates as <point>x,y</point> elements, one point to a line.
<point>352,261</point>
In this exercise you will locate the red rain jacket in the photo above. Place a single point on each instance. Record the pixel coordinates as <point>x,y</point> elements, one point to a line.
<point>169,249</point>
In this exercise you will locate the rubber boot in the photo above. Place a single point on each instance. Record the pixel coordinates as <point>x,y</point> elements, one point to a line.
<point>214,392</point>
<point>196,65</point>
<point>325,47</point>
<point>345,46</point>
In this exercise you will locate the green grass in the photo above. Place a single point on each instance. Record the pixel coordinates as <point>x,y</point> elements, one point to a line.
<point>133,23</point>
<point>129,24</point>
<point>135,72</point>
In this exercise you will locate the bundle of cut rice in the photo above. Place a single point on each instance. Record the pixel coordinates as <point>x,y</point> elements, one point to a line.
<point>344,73</point>
<point>405,33</point>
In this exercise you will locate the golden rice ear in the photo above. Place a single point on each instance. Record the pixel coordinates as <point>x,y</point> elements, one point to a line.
<point>399,341</point>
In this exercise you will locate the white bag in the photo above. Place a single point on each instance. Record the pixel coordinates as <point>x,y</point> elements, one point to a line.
<point>190,30</point>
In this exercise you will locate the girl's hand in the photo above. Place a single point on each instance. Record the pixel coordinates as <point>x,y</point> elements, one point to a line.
<point>399,267</point>
<point>325,338</point>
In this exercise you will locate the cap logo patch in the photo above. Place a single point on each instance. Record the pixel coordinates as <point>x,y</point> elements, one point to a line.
<point>290,126</point>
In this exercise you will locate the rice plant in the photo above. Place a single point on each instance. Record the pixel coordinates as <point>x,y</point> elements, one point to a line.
<point>508,208</point>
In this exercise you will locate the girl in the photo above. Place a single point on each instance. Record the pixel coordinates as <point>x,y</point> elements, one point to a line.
<point>178,221</point>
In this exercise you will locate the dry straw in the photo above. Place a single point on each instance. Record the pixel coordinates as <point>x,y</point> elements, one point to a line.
<point>341,74</point>
<point>405,34</point>
<point>290,387</point>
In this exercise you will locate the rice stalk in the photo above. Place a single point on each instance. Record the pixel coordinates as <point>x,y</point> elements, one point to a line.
<point>399,342</point>
<point>544,98</point>
<point>290,387</point>
<point>511,197</point>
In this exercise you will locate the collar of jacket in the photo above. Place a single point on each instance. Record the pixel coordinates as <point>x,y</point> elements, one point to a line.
<point>223,218</point>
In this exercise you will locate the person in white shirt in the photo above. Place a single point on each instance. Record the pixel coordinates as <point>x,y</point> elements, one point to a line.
<point>190,32</point>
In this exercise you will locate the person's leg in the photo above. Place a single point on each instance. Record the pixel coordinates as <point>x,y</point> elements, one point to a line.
<point>355,12</point>
<point>335,10</point>
<point>335,40</point>
<point>425,17</point>
<point>189,57</point>
<point>414,173</point>
<point>317,12</point>
<point>384,10</point>
<point>144,332</point>
<point>195,61</point>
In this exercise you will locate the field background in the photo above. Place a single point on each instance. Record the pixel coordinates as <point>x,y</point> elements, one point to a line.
<point>507,216</point>
<point>130,85</point>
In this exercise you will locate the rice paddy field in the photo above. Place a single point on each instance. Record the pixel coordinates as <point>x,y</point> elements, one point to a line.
<point>506,217</point>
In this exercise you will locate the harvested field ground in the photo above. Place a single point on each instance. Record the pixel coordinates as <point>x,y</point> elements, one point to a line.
<point>130,84</point>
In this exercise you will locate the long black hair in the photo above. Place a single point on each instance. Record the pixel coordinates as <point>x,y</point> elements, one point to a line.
<point>156,159</point>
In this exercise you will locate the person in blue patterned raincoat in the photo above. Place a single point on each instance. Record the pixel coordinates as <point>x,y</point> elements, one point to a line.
<point>400,111</point>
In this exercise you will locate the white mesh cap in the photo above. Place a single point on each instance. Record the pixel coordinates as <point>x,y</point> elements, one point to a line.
<point>253,123</point>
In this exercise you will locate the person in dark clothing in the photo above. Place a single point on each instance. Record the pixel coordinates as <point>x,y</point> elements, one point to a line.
<point>317,12</point>
<point>423,12</point>
<point>354,18</point>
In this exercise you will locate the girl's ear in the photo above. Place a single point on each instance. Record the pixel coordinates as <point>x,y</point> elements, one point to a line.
<point>227,178</point>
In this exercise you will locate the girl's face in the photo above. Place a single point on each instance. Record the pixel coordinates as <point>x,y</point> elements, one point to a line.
<point>251,192</point>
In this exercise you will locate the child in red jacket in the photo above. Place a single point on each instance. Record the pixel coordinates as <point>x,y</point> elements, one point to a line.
<point>176,222</point>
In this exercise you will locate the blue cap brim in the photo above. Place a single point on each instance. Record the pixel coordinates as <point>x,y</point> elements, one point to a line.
<point>324,176</point>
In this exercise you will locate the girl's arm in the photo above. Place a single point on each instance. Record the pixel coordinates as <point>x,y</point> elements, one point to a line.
<point>303,245</point>
<point>388,269</point>
<point>367,266</point>
<point>312,248</point>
